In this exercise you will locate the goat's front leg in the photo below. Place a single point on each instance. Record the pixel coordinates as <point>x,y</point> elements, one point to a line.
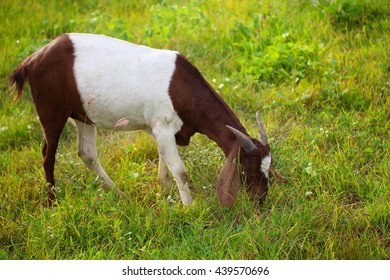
<point>169,153</point>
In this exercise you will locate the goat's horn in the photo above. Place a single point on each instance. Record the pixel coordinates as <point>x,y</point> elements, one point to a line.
<point>263,135</point>
<point>245,142</point>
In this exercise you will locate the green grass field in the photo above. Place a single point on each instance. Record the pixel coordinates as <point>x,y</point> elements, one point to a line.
<point>318,73</point>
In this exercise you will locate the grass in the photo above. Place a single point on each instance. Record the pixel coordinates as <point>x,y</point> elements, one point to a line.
<point>317,71</point>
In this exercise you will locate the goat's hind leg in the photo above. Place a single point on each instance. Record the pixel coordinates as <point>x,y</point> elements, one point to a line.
<point>52,125</point>
<point>86,136</point>
<point>163,174</point>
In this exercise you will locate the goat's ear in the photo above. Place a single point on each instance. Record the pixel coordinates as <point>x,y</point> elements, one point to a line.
<point>228,182</point>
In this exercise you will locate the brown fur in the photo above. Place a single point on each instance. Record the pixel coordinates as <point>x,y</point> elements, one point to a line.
<point>203,110</point>
<point>198,105</point>
<point>200,108</point>
<point>54,93</point>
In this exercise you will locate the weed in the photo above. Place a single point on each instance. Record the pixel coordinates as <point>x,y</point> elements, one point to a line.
<point>318,73</point>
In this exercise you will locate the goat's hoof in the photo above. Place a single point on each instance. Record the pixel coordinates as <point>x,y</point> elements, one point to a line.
<point>188,201</point>
<point>52,203</point>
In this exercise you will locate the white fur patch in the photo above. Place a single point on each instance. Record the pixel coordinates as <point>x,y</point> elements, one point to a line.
<point>265,165</point>
<point>119,80</point>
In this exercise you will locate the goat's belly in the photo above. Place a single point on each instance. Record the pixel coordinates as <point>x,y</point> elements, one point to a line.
<point>128,116</point>
<point>121,125</point>
<point>129,126</point>
<point>116,116</point>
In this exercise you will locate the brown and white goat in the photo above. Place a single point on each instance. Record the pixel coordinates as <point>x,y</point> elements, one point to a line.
<point>102,82</point>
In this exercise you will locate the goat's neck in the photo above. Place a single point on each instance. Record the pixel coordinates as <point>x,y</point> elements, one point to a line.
<point>220,134</point>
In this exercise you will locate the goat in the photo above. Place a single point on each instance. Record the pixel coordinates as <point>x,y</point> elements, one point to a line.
<point>102,82</point>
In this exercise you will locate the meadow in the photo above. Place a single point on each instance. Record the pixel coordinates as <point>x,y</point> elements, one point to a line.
<point>316,71</point>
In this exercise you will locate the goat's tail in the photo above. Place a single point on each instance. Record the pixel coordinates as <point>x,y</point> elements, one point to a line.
<point>18,77</point>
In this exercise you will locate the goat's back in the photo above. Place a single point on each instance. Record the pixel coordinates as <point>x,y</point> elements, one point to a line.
<point>101,80</point>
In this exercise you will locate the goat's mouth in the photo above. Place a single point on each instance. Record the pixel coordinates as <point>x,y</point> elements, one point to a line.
<point>262,198</point>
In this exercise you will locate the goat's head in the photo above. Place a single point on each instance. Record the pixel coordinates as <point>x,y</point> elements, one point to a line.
<point>248,162</point>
